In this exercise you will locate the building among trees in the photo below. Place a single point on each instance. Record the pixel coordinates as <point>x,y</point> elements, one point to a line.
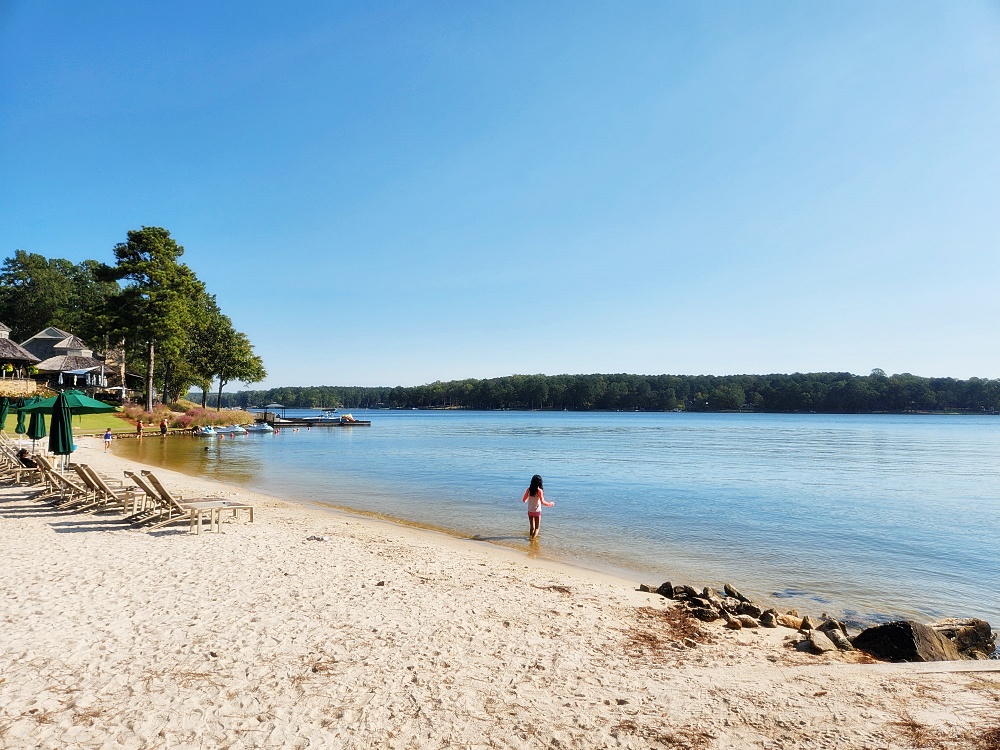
<point>15,360</point>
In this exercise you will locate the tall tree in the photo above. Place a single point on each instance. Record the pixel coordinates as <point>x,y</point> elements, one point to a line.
<point>236,361</point>
<point>36,292</point>
<point>155,308</point>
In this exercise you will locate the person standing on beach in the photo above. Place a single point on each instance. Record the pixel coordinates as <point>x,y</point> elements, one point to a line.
<point>107,439</point>
<point>163,427</point>
<point>138,429</point>
<point>534,496</point>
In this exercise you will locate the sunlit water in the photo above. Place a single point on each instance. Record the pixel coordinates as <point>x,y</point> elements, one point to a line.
<point>860,516</point>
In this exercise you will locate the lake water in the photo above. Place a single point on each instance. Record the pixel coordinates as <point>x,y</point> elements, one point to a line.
<point>862,516</point>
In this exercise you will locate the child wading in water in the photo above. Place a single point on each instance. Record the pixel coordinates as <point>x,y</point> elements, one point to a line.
<point>534,496</point>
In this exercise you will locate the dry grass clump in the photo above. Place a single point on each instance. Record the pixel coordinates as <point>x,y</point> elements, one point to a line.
<point>684,738</point>
<point>674,622</point>
<point>919,735</point>
<point>87,717</point>
<point>559,589</point>
<point>657,630</point>
<point>990,739</point>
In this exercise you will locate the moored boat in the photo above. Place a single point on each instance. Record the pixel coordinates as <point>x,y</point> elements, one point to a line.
<point>233,429</point>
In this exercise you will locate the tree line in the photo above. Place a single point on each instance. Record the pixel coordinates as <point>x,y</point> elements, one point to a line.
<point>829,392</point>
<point>149,307</point>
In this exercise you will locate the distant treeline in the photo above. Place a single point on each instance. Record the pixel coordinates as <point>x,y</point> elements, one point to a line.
<point>832,392</point>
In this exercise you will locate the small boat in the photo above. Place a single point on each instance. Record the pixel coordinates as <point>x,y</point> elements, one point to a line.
<point>328,415</point>
<point>233,429</point>
<point>206,431</point>
<point>259,427</point>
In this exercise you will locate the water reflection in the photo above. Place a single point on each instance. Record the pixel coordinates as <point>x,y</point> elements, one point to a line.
<point>699,498</point>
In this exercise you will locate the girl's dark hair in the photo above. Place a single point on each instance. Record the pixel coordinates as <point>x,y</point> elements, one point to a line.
<point>536,484</point>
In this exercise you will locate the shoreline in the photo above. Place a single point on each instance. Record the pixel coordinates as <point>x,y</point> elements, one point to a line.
<point>860,611</point>
<point>109,463</point>
<point>384,635</point>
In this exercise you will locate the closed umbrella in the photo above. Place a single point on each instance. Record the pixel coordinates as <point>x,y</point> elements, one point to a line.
<point>36,428</point>
<point>22,418</point>
<point>61,428</point>
<point>4,408</point>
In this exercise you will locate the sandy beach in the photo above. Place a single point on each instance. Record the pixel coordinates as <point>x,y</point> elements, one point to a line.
<point>388,636</point>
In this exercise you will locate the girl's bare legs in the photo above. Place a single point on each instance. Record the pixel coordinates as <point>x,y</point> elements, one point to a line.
<point>533,523</point>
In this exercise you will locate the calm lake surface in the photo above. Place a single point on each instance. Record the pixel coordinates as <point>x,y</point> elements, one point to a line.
<point>862,516</point>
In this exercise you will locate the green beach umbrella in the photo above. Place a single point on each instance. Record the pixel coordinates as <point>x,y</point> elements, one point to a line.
<point>4,408</point>
<point>61,428</point>
<point>22,426</point>
<point>78,402</point>
<point>36,426</point>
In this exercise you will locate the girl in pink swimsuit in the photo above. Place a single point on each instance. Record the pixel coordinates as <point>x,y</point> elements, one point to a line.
<point>534,496</point>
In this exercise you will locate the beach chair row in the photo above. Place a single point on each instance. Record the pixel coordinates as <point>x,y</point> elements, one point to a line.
<point>145,502</point>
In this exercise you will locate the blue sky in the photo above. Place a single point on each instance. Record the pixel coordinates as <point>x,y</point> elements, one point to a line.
<point>396,193</point>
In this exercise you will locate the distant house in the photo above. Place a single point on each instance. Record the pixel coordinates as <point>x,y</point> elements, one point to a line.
<point>11,353</point>
<point>43,344</point>
<point>15,362</point>
<point>65,360</point>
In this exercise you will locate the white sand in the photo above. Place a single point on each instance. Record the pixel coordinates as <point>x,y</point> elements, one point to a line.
<point>387,636</point>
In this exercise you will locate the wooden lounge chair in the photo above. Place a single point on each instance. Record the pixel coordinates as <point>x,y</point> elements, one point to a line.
<point>103,492</point>
<point>148,506</point>
<point>11,467</point>
<point>62,491</point>
<point>166,508</point>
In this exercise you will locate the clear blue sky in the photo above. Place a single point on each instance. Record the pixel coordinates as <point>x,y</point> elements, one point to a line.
<point>396,193</point>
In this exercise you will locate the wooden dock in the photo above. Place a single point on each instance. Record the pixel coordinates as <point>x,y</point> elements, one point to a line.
<point>279,423</point>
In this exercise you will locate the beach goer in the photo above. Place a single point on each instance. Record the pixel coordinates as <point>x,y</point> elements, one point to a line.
<point>534,496</point>
<point>22,457</point>
<point>138,429</point>
<point>163,427</point>
<point>107,439</point>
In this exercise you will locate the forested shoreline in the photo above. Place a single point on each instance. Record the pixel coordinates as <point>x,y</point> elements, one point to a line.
<point>825,392</point>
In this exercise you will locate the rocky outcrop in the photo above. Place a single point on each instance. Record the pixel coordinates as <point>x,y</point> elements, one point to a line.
<point>974,638</point>
<point>895,641</point>
<point>906,641</point>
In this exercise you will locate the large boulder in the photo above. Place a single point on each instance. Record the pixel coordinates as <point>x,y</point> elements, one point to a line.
<point>839,639</point>
<point>906,641</point>
<point>769,619</point>
<point>974,638</point>
<point>731,591</point>
<point>820,642</point>
<point>789,621</point>
<point>705,614</point>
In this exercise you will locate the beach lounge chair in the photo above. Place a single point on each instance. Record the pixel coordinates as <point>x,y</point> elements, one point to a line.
<point>166,508</point>
<point>146,505</point>
<point>11,467</point>
<point>62,491</point>
<point>104,493</point>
